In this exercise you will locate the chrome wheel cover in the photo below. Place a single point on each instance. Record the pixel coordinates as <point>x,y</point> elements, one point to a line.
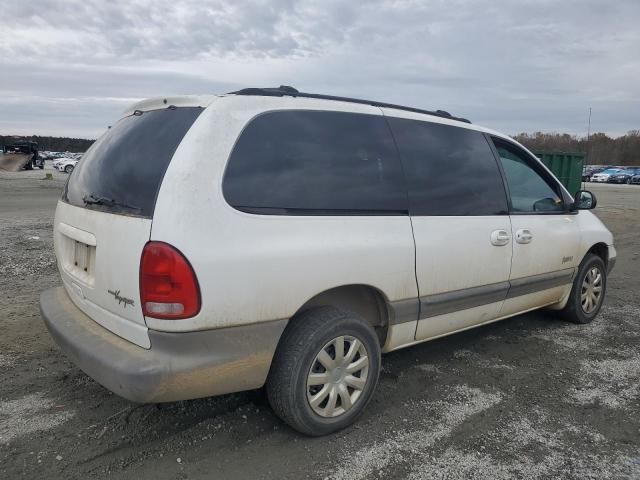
<point>591,292</point>
<point>338,376</point>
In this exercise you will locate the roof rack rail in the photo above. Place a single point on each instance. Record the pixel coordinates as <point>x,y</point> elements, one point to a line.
<point>287,91</point>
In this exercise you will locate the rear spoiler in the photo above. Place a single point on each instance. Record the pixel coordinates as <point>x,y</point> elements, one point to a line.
<point>159,103</point>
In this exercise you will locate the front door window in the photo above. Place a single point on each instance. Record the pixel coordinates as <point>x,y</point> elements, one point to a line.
<point>530,193</point>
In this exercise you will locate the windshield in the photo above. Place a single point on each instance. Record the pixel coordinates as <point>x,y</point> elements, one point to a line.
<point>123,169</point>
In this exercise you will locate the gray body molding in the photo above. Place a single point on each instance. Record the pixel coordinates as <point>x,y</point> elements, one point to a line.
<point>448,302</point>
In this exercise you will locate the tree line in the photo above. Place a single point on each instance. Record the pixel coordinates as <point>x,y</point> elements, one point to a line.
<point>599,150</point>
<point>51,144</point>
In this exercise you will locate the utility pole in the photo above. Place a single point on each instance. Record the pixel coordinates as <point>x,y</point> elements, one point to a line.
<point>588,153</point>
<point>589,138</point>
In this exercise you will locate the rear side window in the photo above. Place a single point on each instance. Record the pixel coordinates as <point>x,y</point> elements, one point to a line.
<point>123,169</point>
<point>450,170</point>
<point>316,163</point>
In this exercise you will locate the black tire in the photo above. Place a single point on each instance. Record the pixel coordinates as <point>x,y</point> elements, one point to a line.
<point>68,169</point>
<point>41,167</point>
<point>303,339</point>
<point>574,311</point>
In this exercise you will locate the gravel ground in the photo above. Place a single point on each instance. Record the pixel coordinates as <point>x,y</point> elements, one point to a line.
<point>529,397</point>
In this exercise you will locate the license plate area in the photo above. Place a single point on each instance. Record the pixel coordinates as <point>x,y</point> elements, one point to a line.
<point>79,259</point>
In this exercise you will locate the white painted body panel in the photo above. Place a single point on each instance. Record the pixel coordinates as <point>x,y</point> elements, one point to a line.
<point>554,247</point>
<point>592,231</point>
<point>255,268</point>
<point>555,238</point>
<point>453,253</point>
<point>470,261</point>
<point>118,241</point>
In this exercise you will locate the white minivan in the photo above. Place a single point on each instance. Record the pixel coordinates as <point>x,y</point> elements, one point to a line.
<point>269,237</point>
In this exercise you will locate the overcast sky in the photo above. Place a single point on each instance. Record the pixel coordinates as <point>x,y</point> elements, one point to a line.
<point>71,67</point>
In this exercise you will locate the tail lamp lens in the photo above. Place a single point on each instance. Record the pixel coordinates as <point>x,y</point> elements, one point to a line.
<point>168,285</point>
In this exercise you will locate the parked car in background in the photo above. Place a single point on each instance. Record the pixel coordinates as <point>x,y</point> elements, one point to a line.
<point>66,165</point>
<point>623,176</point>
<point>321,239</point>
<point>57,161</point>
<point>603,176</point>
<point>636,178</point>
<point>589,171</point>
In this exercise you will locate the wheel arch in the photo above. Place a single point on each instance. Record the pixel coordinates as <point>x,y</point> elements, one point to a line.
<point>601,250</point>
<point>364,300</point>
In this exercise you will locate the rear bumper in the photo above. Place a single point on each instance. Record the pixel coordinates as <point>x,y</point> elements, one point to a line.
<point>178,366</point>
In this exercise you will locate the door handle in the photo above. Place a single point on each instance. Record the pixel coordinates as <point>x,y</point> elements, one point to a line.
<point>500,238</point>
<point>524,235</point>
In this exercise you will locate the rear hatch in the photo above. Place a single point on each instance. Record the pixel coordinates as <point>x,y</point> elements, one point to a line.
<point>103,220</point>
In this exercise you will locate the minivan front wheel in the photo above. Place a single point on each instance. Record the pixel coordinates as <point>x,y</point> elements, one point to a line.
<point>325,371</point>
<point>589,288</point>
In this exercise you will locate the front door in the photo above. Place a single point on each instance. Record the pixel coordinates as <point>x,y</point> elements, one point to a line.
<point>462,231</point>
<point>545,234</point>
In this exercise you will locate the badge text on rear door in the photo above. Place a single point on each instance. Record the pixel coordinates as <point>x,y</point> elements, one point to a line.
<point>126,301</point>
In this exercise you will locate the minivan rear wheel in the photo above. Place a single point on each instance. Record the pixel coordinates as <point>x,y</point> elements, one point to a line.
<point>325,371</point>
<point>589,288</point>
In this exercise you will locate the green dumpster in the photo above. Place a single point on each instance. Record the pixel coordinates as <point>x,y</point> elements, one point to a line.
<point>566,166</point>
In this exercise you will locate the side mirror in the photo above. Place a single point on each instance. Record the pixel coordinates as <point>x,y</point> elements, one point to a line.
<point>584,200</point>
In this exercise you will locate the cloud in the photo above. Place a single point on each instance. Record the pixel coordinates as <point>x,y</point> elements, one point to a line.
<point>515,66</point>
<point>81,101</point>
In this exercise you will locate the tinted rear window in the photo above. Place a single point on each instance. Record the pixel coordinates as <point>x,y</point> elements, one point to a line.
<point>123,169</point>
<point>314,162</point>
<point>450,170</point>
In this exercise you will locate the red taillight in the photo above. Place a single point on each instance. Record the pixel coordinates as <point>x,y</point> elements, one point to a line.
<point>168,285</point>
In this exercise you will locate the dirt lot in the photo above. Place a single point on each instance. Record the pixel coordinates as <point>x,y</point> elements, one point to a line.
<point>529,397</point>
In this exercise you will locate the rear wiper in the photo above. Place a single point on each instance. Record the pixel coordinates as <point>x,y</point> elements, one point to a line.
<point>96,200</point>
